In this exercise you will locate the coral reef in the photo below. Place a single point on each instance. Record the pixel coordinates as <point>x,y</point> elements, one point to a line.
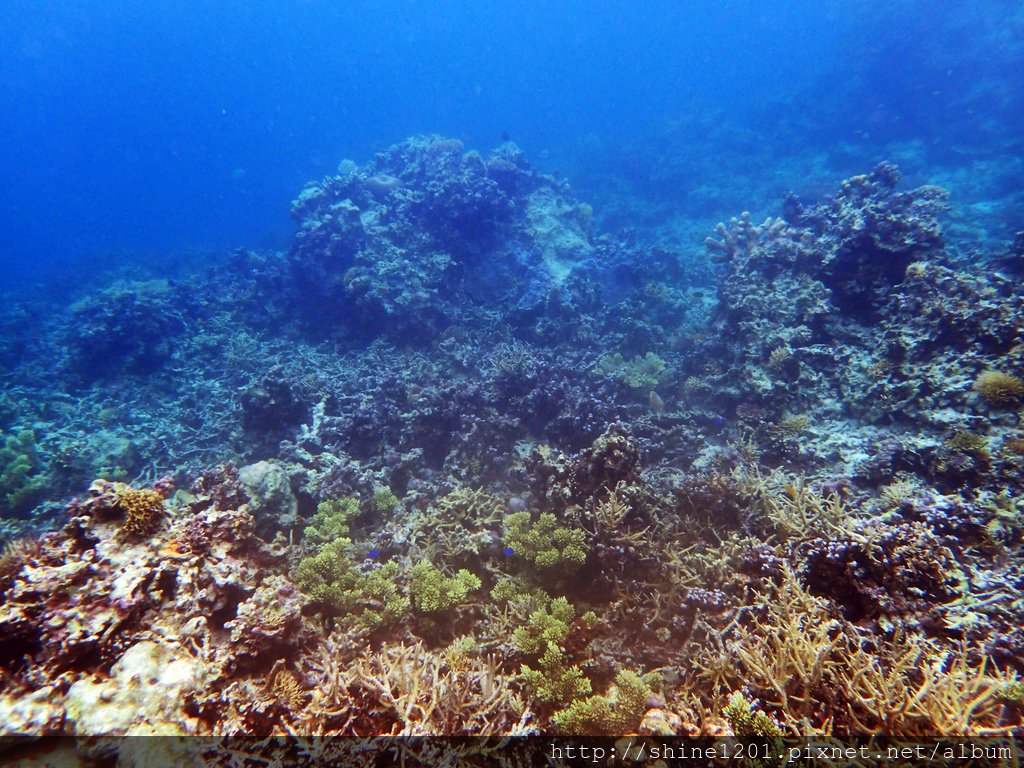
<point>128,328</point>
<point>459,463</point>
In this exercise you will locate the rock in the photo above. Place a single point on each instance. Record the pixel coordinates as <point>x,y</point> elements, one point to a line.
<point>661,722</point>
<point>37,712</point>
<point>143,696</point>
<point>272,503</point>
<point>270,622</point>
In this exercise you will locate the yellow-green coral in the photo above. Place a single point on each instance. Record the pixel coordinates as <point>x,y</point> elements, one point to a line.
<point>369,599</point>
<point>331,521</point>
<point>384,500</point>
<point>544,542</point>
<point>644,372</point>
<point>555,682</point>
<point>749,724</point>
<point>432,591</point>
<point>549,624</point>
<point>515,592</point>
<point>22,479</point>
<point>616,713</point>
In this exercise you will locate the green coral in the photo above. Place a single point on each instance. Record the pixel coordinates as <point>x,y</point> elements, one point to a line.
<point>616,713</point>
<point>22,477</point>
<point>586,717</point>
<point>749,724</point>
<point>645,372</point>
<point>555,682</point>
<point>331,521</point>
<point>384,500</point>
<point>516,593</point>
<point>544,542</point>
<point>432,591</point>
<point>369,599</point>
<point>548,624</point>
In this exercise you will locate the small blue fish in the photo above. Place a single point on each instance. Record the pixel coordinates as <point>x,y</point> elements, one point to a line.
<point>508,551</point>
<point>373,553</point>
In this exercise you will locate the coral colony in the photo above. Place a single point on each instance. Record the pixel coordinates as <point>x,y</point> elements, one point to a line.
<point>458,463</point>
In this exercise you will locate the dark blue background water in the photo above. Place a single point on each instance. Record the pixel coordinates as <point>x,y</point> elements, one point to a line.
<point>163,127</point>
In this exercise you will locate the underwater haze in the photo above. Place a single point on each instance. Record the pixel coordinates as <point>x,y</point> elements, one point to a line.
<point>157,127</point>
<point>546,370</point>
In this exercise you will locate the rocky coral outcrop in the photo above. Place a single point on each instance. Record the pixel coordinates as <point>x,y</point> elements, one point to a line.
<point>121,630</point>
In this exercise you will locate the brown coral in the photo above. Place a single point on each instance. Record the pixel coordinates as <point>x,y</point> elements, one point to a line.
<point>143,510</point>
<point>999,389</point>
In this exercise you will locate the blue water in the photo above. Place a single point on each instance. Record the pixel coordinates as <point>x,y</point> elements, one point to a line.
<point>148,130</point>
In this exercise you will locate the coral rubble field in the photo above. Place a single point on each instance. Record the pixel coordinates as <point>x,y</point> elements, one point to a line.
<point>460,463</point>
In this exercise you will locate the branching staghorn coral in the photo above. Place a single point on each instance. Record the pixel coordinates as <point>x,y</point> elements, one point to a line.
<point>790,655</point>
<point>609,523</point>
<point>458,527</point>
<point>816,675</point>
<point>902,487</point>
<point>919,690</point>
<point>422,695</point>
<point>798,511</point>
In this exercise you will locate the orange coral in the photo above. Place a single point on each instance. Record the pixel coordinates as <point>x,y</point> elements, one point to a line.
<point>143,510</point>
